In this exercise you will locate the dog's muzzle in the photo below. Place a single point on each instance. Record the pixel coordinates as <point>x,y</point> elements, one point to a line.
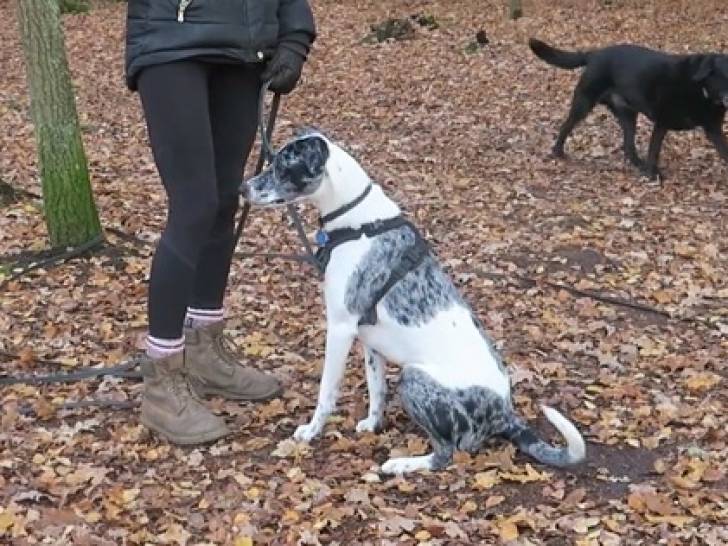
<point>724,100</point>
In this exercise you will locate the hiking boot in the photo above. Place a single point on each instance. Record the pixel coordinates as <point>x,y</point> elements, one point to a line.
<point>215,370</point>
<point>171,409</point>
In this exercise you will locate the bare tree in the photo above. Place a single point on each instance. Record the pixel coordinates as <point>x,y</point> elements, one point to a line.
<point>70,211</point>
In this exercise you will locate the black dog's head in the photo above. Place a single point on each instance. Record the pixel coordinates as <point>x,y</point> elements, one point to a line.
<point>712,73</point>
<point>296,172</point>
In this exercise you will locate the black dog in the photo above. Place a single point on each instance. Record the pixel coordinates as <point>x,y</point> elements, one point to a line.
<point>676,92</point>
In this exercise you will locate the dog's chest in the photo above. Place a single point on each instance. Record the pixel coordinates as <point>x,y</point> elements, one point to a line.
<point>683,110</point>
<point>341,270</point>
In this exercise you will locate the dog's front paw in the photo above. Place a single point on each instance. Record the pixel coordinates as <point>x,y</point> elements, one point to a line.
<point>370,424</point>
<point>305,433</point>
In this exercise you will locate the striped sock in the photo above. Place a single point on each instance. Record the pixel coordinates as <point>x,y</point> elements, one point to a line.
<point>199,318</point>
<point>161,348</point>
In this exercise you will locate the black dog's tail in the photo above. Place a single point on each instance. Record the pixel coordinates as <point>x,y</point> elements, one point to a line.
<point>523,436</point>
<point>558,57</point>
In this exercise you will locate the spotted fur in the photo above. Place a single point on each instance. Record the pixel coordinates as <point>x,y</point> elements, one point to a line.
<point>413,300</point>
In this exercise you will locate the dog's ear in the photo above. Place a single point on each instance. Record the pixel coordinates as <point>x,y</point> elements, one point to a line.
<point>314,151</point>
<point>704,68</point>
<point>321,149</point>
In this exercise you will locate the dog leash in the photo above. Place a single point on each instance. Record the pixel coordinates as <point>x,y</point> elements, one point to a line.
<point>266,155</point>
<point>125,369</point>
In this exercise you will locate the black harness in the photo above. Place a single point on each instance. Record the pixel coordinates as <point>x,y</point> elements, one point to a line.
<point>408,261</point>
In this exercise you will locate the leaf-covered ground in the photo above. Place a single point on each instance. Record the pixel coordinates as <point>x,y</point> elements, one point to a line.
<point>607,295</point>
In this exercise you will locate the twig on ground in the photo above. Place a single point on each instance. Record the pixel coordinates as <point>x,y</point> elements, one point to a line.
<point>55,258</point>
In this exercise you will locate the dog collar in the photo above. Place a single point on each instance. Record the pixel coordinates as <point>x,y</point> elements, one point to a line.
<point>327,241</point>
<point>344,209</point>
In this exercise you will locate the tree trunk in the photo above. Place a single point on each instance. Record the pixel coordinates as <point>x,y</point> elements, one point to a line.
<point>70,211</point>
<point>515,9</point>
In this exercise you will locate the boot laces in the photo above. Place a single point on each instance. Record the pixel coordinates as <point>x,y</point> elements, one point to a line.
<point>227,349</point>
<point>180,387</point>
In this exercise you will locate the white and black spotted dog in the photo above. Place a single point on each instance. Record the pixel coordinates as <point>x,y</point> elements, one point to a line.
<point>383,286</point>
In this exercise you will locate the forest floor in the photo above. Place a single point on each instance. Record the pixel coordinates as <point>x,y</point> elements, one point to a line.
<point>607,295</point>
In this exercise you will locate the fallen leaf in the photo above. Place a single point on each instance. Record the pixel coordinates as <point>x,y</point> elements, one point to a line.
<point>485,480</point>
<point>702,381</point>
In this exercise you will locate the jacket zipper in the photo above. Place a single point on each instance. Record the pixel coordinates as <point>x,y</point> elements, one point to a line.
<point>245,20</point>
<point>181,7</point>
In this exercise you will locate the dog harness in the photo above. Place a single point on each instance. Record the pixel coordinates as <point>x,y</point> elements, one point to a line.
<point>412,257</point>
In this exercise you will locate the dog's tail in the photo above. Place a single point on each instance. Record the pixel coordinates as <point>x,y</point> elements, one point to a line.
<point>558,57</point>
<point>525,438</point>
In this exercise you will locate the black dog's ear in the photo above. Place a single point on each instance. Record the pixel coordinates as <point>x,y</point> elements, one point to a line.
<point>704,69</point>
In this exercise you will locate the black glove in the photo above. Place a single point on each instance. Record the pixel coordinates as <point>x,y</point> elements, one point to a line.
<point>284,69</point>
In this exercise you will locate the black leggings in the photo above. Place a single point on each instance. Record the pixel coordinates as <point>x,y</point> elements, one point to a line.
<point>202,119</point>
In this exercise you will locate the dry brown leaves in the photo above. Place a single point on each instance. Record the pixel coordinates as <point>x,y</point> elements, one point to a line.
<point>460,140</point>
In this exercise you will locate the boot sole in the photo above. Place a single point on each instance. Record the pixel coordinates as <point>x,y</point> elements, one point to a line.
<point>212,391</point>
<point>187,440</point>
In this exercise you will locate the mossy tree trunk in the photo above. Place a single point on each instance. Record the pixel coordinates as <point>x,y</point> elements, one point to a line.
<point>70,211</point>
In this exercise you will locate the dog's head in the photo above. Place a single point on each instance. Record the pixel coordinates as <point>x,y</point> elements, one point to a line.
<point>712,73</point>
<point>297,171</point>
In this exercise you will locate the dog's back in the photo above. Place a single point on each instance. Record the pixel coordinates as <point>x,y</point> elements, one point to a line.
<point>614,59</point>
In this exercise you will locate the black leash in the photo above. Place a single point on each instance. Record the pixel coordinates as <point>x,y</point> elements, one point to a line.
<point>125,369</point>
<point>267,154</point>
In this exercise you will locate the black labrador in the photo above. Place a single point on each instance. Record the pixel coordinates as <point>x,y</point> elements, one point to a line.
<point>676,92</point>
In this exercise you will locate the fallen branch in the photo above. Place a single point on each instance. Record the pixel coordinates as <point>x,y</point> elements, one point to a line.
<point>609,299</point>
<point>598,296</point>
<point>55,258</point>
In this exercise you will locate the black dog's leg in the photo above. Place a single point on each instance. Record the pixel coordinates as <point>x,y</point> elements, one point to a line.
<point>714,132</point>
<point>581,105</point>
<point>651,170</point>
<point>628,122</point>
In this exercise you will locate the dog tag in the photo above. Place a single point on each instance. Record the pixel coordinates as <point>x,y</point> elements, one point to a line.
<point>321,237</point>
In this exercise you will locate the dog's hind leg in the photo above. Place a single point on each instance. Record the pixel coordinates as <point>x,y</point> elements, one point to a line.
<point>628,122</point>
<point>375,366</point>
<point>339,339</point>
<point>427,404</point>
<point>581,105</point>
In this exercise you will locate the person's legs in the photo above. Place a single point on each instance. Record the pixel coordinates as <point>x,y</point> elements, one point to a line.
<point>233,101</point>
<point>213,366</point>
<point>175,101</point>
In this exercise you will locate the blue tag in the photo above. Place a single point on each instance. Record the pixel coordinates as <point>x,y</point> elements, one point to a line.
<point>321,237</point>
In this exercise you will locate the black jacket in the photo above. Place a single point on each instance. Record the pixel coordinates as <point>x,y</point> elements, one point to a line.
<point>160,31</point>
